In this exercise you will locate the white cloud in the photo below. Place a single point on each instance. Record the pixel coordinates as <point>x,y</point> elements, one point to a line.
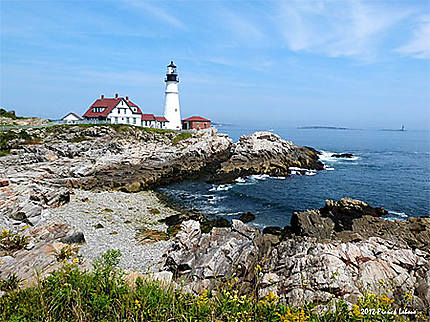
<point>335,29</point>
<point>157,12</point>
<point>419,45</point>
<point>241,26</point>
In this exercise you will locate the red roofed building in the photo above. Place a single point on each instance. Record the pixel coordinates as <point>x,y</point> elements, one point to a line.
<point>196,122</point>
<point>119,110</point>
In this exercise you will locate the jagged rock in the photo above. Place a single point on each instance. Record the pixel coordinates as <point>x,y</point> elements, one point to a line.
<point>354,220</point>
<point>342,155</point>
<point>74,238</point>
<point>247,217</point>
<point>265,153</point>
<point>203,257</point>
<point>40,257</point>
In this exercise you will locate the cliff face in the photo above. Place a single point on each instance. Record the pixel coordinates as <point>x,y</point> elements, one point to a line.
<point>44,164</point>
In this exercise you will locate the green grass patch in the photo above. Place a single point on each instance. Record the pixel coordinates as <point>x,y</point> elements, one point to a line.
<point>102,294</point>
<point>181,136</point>
<point>78,139</point>
<point>120,128</point>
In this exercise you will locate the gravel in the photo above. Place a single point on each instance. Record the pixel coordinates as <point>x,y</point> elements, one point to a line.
<point>110,220</point>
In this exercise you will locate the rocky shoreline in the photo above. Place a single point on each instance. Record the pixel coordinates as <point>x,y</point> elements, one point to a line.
<point>88,188</point>
<point>44,165</point>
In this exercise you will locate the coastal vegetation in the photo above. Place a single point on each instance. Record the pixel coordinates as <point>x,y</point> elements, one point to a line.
<point>10,115</point>
<point>181,136</point>
<point>73,293</point>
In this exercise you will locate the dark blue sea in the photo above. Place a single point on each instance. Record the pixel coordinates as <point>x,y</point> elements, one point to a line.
<point>391,169</point>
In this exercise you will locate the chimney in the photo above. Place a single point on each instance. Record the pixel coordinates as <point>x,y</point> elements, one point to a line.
<point>102,97</point>
<point>126,98</point>
<point>116,95</point>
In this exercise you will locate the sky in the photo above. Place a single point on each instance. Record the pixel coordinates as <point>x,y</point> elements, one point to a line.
<point>360,64</point>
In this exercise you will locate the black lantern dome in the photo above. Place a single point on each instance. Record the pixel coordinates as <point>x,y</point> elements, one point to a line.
<point>171,74</point>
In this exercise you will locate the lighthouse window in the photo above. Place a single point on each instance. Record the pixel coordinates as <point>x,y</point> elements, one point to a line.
<point>176,109</point>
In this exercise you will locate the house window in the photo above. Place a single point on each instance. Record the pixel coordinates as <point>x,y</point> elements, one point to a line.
<point>134,120</point>
<point>128,120</point>
<point>116,120</point>
<point>125,111</point>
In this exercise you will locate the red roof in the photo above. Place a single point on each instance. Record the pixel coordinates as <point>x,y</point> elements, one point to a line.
<point>197,119</point>
<point>108,104</point>
<point>148,117</point>
<point>131,104</point>
<point>161,119</point>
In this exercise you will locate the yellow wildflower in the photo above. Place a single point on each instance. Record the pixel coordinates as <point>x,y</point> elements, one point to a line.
<point>386,299</point>
<point>75,260</point>
<point>356,311</point>
<point>258,268</point>
<point>137,303</point>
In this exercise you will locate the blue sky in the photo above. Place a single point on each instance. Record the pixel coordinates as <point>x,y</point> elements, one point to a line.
<point>275,63</point>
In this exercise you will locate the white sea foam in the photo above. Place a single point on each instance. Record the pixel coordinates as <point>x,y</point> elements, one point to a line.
<point>259,176</point>
<point>216,199</point>
<point>221,187</point>
<point>240,180</point>
<point>395,215</point>
<point>326,156</point>
<point>278,178</point>
<point>302,172</point>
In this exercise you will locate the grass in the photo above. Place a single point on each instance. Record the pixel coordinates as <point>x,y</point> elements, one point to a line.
<point>78,139</point>
<point>117,127</point>
<point>102,294</point>
<point>181,136</point>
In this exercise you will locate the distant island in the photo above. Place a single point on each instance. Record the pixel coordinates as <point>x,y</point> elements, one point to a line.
<point>324,127</point>
<point>402,129</point>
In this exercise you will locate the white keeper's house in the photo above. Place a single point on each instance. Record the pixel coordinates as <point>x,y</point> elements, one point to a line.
<point>120,110</point>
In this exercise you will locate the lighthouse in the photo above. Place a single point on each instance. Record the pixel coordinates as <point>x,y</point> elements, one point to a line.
<point>172,111</point>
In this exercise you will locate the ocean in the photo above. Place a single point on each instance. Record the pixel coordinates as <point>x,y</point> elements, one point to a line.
<point>390,169</point>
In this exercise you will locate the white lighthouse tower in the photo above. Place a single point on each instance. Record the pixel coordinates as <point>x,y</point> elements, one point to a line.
<point>172,111</point>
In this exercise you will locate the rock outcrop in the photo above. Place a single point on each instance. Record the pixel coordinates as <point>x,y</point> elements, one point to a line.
<point>349,220</point>
<point>266,153</point>
<point>42,254</point>
<point>46,163</point>
<point>312,261</point>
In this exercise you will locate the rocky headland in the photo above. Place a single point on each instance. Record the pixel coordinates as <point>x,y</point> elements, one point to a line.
<point>87,189</point>
<point>45,164</point>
